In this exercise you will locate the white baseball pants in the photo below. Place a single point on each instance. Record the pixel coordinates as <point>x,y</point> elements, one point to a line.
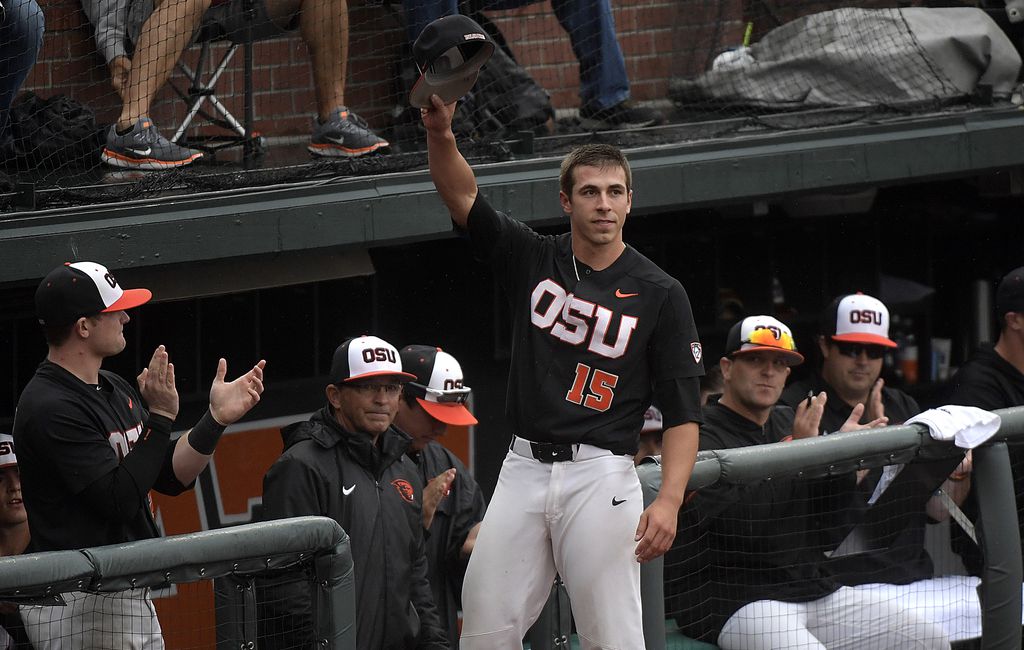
<point>847,619</point>
<point>117,621</point>
<point>577,518</point>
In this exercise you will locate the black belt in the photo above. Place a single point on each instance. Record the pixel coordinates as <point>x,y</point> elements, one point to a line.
<point>550,452</point>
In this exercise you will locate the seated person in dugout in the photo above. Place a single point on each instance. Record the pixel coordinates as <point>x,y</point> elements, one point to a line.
<point>760,584</point>
<point>14,538</point>
<point>161,33</point>
<point>853,342</point>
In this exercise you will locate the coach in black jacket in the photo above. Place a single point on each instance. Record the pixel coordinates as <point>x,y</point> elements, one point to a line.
<point>347,462</point>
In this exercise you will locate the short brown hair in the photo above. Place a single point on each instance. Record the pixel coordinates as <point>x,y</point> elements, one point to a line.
<point>592,155</point>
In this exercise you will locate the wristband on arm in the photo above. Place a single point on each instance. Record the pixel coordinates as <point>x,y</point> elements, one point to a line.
<point>205,434</point>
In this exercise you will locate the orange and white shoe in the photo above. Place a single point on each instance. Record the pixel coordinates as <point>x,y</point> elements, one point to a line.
<point>344,135</point>
<point>144,148</point>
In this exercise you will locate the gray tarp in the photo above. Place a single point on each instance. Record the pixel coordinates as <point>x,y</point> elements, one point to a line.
<point>858,57</point>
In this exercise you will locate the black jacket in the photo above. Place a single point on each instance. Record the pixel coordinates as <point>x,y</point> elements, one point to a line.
<point>373,492</point>
<point>842,501</point>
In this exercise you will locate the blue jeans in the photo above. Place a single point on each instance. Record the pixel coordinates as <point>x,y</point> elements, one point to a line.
<point>21,35</point>
<point>591,29</point>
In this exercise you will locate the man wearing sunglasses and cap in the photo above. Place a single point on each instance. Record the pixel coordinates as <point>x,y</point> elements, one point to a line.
<point>348,462</point>
<point>453,505</point>
<point>91,447</point>
<point>853,345</point>
<point>765,584</point>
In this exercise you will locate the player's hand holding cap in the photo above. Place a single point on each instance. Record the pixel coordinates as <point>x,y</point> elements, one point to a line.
<point>449,53</point>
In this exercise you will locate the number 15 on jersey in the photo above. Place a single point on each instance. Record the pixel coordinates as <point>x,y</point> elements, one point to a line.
<point>592,388</point>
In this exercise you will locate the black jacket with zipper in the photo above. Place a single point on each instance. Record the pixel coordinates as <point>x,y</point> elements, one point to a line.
<point>374,492</point>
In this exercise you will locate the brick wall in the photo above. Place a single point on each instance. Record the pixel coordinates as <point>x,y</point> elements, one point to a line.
<point>660,38</point>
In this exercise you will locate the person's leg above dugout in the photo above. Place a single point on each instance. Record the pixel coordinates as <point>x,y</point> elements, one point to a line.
<point>21,35</point>
<point>604,85</point>
<point>134,141</point>
<point>337,131</point>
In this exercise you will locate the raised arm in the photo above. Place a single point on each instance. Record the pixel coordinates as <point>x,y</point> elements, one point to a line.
<point>452,175</point>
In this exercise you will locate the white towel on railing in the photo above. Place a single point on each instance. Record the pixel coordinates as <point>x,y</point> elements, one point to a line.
<point>967,426</point>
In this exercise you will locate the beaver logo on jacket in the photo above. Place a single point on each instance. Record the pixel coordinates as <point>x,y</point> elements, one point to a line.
<point>404,489</point>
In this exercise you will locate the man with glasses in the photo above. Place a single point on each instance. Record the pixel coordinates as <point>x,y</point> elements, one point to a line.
<point>854,340</point>
<point>453,505</point>
<point>348,462</point>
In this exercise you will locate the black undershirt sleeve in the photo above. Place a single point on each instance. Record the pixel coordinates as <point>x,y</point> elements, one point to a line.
<point>118,494</point>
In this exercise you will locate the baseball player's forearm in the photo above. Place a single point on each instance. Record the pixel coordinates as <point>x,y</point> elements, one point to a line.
<point>120,493</point>
<point>452,175</point>
<point>679,451</point>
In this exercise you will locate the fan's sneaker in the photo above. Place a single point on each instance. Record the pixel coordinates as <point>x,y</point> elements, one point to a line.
<point>144,148</point>
<point>345,135</point>
<point>624,115</point>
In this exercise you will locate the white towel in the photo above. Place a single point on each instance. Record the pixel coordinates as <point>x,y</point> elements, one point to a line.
<point>967,426</point>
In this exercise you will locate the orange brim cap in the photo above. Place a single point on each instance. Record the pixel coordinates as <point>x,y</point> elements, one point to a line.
<point>130,298</point>
<point>868,339</point>
<point>450,413</point>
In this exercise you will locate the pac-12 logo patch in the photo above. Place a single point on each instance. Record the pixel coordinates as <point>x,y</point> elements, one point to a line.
<point>696,351</point>
<point>404,488</point>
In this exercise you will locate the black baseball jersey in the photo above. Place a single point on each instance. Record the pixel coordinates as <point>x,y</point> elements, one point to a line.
<point>990,382</point>
<point>589,354</point>
<point>70,434</point>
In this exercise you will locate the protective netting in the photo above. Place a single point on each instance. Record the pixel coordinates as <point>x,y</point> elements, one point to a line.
<point>769,556</point>
<point>125,95</point>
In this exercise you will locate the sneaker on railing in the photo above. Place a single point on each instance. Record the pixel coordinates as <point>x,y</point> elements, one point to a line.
<point>345,134</point>
<point>144,148</point>
<point>624,115</point>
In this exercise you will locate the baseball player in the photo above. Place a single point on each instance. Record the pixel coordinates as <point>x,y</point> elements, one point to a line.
<point>598,331</point>
<point>90,449</point>
<point>453,505</point>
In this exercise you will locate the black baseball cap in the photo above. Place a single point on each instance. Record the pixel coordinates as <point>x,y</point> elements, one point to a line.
<point>762,333</point>
<point>449,53</point>
<point>78,289</point>
<point>438,386</point>
<point>362,357</point>
<point>1010,293</point>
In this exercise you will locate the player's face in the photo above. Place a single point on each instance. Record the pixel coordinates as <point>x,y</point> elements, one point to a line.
<point>419,424</point>
<point>755,379</point>
<point>599,204</point>
<point>106,333</point>
<point>367,406</point>
<point>12,509</point>
<point>850,369</point>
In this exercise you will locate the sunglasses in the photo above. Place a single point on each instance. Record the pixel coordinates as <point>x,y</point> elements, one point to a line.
<point>770,337</point>
<point>450,396</point>
<point>854,350</point>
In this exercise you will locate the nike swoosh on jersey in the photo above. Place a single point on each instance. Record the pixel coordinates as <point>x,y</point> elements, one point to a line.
<point>616,502</point>
<point>348,490</point>
<point>619,294</point>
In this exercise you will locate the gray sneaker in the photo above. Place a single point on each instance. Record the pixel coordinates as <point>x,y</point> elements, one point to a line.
<point>345,134</point>
<point>144,148</point>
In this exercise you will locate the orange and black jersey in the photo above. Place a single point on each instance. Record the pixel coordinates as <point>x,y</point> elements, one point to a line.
<point>88,456</point>
<point>588,355</point>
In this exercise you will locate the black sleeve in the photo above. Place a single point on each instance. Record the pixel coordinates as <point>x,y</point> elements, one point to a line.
<point>433,636</point>
<point>118,494</point>
<point>291,488</point>
<point>507,245</point>
<point>677,360</point>
<point>467,510</point>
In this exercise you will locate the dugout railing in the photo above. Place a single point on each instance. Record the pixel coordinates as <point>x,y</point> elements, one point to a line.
<point>235,558</point>
<point>1000,590</point>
